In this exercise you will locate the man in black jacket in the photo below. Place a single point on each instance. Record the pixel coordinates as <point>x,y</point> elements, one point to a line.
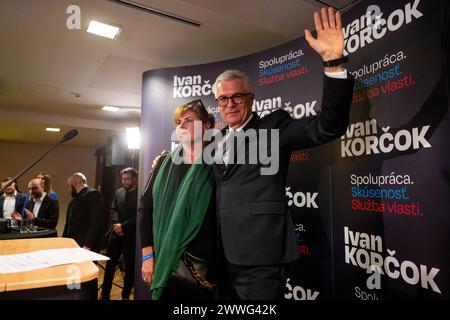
<point>255,227</point>
<point>85,214</point>
<point>43,210</point>
<point>122,233</point>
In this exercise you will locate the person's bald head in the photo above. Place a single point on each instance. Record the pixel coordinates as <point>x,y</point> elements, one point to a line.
<point>77,182</point>
<point>78,177</point>
<point>36,188</point>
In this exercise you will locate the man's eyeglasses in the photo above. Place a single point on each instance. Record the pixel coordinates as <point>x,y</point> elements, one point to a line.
<point>237,98</point>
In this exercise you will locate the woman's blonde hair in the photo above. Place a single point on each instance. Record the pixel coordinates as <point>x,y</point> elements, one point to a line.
<point>198,108</point>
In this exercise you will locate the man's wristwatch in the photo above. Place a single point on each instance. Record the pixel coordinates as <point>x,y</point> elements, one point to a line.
<point>335,62</point>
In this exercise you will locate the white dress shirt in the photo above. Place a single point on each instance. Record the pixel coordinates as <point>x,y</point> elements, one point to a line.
<point>37,205</point>
<point>230,131</point>
<point>337,75</point>
<point>9,205</point>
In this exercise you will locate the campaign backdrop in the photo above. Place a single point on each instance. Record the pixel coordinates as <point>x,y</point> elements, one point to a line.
<point>370,209</point>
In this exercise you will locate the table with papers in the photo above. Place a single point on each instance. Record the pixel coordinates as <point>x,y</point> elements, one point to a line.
<point>47,268</point>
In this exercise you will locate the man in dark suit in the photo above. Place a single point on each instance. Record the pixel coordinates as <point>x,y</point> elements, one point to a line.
<point>41,208</point>
<point>85,214</point>
<point>122,233</point>
<point>255,227</point>
<point>11,201</point>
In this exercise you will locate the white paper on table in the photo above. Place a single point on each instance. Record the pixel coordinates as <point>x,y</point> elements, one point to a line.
<point>21,262</point>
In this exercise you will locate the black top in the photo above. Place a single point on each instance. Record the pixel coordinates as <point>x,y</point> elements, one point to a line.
<point>130,204</point>
<point>86,218</point>
<point>203,245</point>
<point>123,211</point>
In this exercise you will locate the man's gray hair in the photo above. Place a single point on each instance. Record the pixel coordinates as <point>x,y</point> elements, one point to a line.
<point>229,75</point>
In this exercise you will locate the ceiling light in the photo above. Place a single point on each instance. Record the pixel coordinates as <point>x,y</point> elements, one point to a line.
<point>110,109</point>
<point>53,129</point>
<point>103,30</point>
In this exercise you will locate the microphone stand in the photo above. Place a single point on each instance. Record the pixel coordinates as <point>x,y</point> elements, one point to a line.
<point>69,135</point>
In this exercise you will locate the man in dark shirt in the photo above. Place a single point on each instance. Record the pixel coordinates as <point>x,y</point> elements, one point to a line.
<point>43,210</point>
<point>85,214</point>
<point>122,233</point>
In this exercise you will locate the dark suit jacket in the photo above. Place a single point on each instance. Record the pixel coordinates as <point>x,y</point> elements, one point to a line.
<point>255,223</point>
<point>48,212</point>
<point>85,218</point>
<point>20,200</point>
<point>123,215</point>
